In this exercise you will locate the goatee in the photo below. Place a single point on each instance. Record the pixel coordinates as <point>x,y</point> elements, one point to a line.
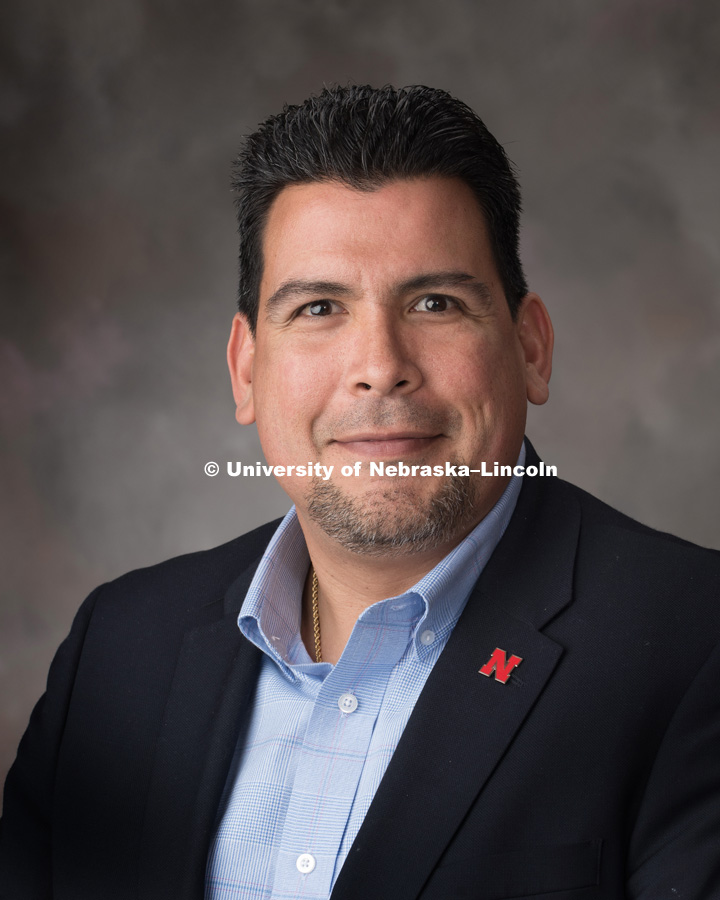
<point>395,521</point>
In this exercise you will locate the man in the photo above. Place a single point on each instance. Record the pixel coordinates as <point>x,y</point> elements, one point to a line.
<point>435,685</point>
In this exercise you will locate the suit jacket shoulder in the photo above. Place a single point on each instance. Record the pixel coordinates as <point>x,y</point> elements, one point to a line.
<point>630,572</point>
<point>126,753</point>
<point>177,588</point>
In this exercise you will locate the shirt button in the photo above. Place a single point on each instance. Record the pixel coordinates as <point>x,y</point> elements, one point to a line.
<point>305,863</point>
<point>348,702</point>
<point>427,637</point>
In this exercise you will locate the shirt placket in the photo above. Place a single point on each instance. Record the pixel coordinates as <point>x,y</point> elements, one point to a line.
<point>332,757</point>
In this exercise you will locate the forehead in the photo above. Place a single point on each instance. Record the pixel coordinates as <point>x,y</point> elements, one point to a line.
<point>396,230</point>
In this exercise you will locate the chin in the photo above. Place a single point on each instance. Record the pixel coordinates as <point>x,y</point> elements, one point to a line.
<point>393,520</point>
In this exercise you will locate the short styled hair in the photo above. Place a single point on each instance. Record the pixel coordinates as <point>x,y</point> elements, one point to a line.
<point>365,137</point>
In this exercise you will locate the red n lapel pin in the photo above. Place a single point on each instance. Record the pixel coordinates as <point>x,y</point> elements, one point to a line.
<point>500,665</point>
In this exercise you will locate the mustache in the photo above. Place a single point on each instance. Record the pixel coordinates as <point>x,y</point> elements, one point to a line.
<point>395,414</point>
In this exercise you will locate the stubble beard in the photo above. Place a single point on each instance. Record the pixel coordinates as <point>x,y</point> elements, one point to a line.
<point>396,521</point>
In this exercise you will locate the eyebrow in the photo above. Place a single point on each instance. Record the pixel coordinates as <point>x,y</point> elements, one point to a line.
<point>438,280</point>
<point>299,287</point>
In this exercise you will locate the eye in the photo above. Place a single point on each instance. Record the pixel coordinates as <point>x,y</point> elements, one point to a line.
<point>318,308</point>
<point>435,303</point>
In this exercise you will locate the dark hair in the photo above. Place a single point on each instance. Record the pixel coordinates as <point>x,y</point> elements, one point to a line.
<point>365,137</point>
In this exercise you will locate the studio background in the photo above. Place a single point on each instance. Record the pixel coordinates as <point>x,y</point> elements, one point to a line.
<point>119,123</point>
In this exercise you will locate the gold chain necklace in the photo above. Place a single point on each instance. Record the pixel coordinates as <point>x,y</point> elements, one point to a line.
<point>316,618</point>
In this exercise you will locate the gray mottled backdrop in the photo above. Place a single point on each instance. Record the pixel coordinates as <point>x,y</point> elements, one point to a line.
<point>120,118</point>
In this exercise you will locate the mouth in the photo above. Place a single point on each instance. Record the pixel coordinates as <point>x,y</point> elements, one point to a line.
<point>391,445</point>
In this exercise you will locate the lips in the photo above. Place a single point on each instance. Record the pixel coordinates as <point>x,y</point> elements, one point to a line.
<point>386,444</point>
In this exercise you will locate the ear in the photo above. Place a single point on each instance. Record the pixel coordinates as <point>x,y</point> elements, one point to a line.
<point>240,357</point>
<point>536,338</point>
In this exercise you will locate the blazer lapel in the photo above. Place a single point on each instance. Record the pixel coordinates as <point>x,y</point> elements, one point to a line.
<point>463,722</point>
<point>211,693</point>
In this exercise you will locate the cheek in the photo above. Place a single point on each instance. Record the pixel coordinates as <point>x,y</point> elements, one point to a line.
<point>491,388</point>
<point>289,393</point>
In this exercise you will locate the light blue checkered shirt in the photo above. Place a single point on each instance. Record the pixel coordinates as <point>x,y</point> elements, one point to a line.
<point>303,779</point>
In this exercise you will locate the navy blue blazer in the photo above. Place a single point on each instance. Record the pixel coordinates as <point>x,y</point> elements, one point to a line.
<point>592,772</point>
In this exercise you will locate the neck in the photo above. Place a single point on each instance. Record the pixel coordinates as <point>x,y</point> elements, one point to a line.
<point>349,583</point>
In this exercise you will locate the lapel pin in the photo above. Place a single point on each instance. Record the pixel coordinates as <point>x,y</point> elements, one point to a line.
<point>500,665</point>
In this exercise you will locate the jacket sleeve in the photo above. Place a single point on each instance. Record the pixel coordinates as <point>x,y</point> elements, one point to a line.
<point>675,847</point>
<point>25,827</point>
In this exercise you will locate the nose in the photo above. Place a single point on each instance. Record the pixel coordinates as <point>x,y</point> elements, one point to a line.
<point>382,360</point>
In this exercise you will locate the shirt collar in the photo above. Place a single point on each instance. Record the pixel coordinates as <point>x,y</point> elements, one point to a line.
<point>270,613</point>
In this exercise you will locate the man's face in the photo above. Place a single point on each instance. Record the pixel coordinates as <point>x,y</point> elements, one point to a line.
<point>383,334</point>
